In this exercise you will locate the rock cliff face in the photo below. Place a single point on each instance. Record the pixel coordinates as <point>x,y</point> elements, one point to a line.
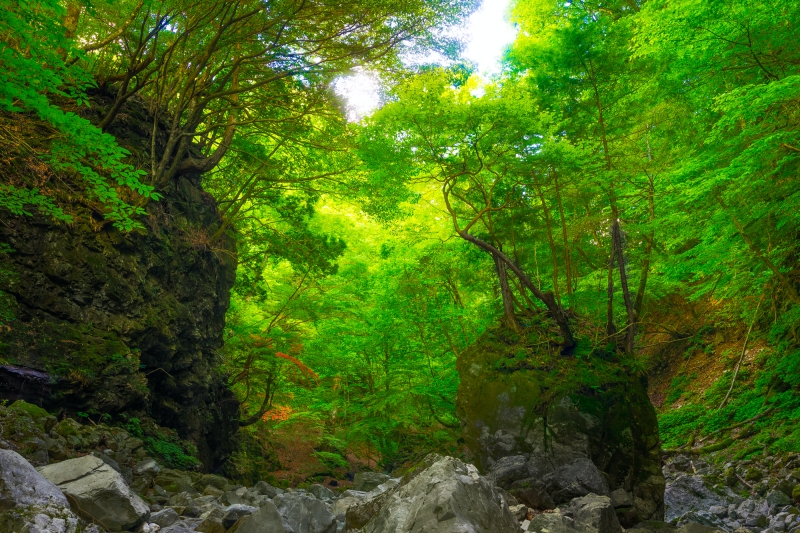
<point>107,322</point>
<point>548,429</point>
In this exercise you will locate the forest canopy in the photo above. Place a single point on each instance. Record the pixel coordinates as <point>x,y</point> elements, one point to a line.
<point>630,155</point>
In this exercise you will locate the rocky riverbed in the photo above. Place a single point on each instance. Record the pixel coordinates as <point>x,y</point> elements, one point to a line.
<point>66,477</point>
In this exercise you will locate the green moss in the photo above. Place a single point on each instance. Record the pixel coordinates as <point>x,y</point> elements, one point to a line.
<point>753,474</point>
<point>34,411</point>
<point>796,494</point>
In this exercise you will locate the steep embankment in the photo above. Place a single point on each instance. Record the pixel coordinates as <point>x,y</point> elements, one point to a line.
<point>109,323</point>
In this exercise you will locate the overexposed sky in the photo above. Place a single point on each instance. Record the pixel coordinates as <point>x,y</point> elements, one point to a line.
<point>487,34</point>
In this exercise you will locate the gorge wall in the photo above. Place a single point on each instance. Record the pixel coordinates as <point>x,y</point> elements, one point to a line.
<point>111,323</point>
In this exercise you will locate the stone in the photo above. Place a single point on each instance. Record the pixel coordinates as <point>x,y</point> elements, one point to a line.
<point>21,485</point>
<point>594,513</point>
<point>211,480</point>
<point>321,492</point>
<point>349,493</point>
<point>519,511</point>
<point>753,474</point>
<point>165,517</point>
<point>266,519</point>
<point>703,517</point>
<point>173,481</point>
<point>366,481</point>
<point>588,514</point>
<point>694,527</point>
<point>777,497</point>
<point>98,492</point>
<point>506,470</point>
<point>305,514</point>
<point>212,522</point>
<point>620,498</point>
<point>212,491</point>
<point>447,496</point>
<point>689,493</point>
<point>147,467</point>
<point>576,479</point>
<point>533,493</point>
<point>235,512</point>
<point>268,490</point>
<point>653,526</point>
<point>231,498</point>
<point>341,505</point>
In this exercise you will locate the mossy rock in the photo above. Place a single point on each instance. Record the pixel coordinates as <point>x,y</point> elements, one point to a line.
<point>753,474</point>
<point>556,408</point>
<point>796,494</point>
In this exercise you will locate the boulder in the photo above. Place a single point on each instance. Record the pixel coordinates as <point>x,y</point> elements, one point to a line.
<point>694,527</point>
<point>532,492</point>
<point>653,526</point>
<point>594,513</point>
<point>98,492</point>
<point>165,517</point>
<point>147,467</point>
<point>28,502</point>
<point>321,492</point>
<point>508,469</point>
<point>305,514</point>
<point>689,493</point>
<point>173,481</point>
<point>235,512</point>
<point>266,520</point>
<point>22,486</point>
<point>447,496</point>
<point>508,407</point>
<point>587,514</point>
<point>575,479</point>
<point>268,490</point>
<point>366,481</point>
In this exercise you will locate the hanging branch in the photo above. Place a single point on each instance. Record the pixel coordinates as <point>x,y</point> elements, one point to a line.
<point>744,350</point>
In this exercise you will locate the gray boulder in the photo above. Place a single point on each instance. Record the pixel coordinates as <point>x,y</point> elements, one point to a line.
<point>165,517</point>
<point>268,490</point>
<point>235,512</point>
<point>305,514</point>
<point>321,492</point>
<point>653,526</point>
<point>595,513</point>
<point>98,492</point>
<point>30,503</point>
<point>532,492</point>
<point>366,481</point>
<point>147,467</point>
<point>266,520</point>
<point>576,479</point>
<point>689,493</point>
<point>448,496</point>
<point>21,485</point>
<point>507,470</point>
<point>588,514</point>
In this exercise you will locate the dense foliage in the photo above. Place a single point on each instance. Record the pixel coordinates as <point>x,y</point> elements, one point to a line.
<point>630,155</point>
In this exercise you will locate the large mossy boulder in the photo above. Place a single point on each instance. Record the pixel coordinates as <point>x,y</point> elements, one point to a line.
<point>532,417</point>
<point>106,322</point>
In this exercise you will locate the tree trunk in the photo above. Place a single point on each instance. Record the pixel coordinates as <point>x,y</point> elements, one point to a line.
<point>630,335</point>
<point>546,298</point>
<point>505,291</point>
<point>567,258</point>
<point>549,222</point>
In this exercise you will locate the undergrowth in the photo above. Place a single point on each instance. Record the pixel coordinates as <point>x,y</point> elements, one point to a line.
<point>172,451</point>
<point>770,385</point>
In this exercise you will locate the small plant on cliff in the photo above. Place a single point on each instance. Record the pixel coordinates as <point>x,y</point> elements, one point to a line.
<point>169,449</point>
